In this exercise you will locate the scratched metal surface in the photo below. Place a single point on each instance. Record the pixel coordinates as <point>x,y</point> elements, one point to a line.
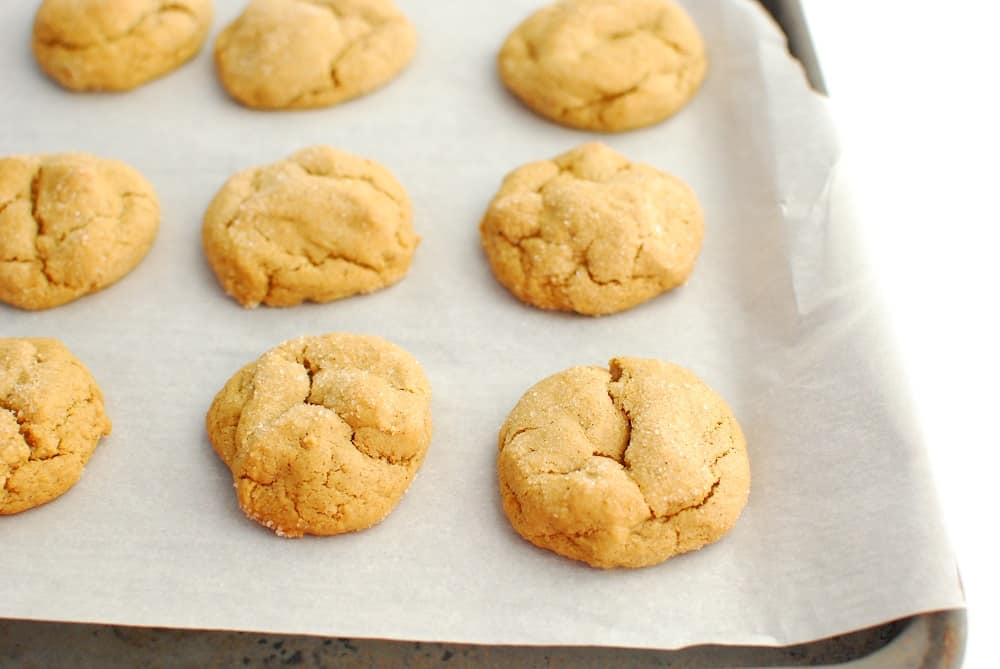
<point>933,641</point>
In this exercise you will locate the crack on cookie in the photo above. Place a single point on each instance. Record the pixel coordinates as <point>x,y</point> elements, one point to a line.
<point>37,219</point>
<point>628,431</point>
<point>334,255</point>
<point>387,459</point>
<point>572,537</point>
<point>616,374</point>
<point>42,259</point>
<point>19,197</point>
<point>335,82</point>
<point>696,505</point>
<point>509,439</point>
<point>374,186</point>
<point>312,370</point>
<point>335,176</point>
<point>307,364</point>
<point>584,262</point>
<point>22,428</point>
<point>40,231</point>
<point>3,207</point>
<point>306,260</point>
<point>623,166</point>
<point>598,454</point>
<point>59,428</point>
<point>512,496</point>
<point>53,42</point>
<point>560,171</point>
<point>607,98</point>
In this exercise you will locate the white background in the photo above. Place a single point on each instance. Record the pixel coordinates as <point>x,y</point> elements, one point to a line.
<point>913,89</point>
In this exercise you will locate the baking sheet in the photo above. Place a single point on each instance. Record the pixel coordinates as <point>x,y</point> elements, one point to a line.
<point>842,530</point>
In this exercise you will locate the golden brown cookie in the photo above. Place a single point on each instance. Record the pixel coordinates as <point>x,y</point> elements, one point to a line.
<point>70,224</point>
<point>320,225</point>
<point>51,418</point>
<point>622,468</point>
<point>116,45</point>
<point>591,232</point>
<point>302,54</point>
<point>323,434</point>
<point>606,65</point>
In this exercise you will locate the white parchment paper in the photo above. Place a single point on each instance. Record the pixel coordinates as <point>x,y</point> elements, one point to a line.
<point>841,531</point>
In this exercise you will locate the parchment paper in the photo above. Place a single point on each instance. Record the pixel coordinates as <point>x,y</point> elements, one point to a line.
<point>842,530</point>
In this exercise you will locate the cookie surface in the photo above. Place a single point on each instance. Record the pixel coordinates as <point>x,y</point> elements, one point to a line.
<point>323,434</point>
<point>116,45</point>
<point>51,418</point>
<point>622,468</point>
<point>301,54</point>
<point>591,232</point>
<point>320,225</point>
<point>607,65</point>
<point>70,224</point>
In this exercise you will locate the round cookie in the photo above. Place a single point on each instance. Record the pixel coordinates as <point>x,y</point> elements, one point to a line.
<point>70,224</point>
<point>116,45</point>
<point>303,54</point>
<point>323,434</point>
<point>607,65</point>
<point>51,418</point>
<point>622,468</point>
<point>591,232</point>
<point>321,225</point>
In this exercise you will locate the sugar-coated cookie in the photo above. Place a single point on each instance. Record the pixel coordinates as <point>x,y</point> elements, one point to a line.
<point>623,467</point>
<point>323,434</point>
<point>320,225</point>
<point>606,65</point>
<point>116,45</point>
<point>300,54</point>
<point>51,418</point>
<point>70,224</point>
<point>591,232</point>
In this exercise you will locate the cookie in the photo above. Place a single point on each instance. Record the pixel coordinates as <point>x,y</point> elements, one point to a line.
<point>607,65</point>
<point>303,54</point>
<point>591,232</point>
<point>116,45</point>
<point>321,225</point>
<point>624,467</point>
<point>323,434</point>
<point>51,418</point>
<point>70,224</point>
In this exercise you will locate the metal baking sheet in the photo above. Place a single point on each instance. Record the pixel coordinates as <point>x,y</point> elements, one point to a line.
<point>932,641</point>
